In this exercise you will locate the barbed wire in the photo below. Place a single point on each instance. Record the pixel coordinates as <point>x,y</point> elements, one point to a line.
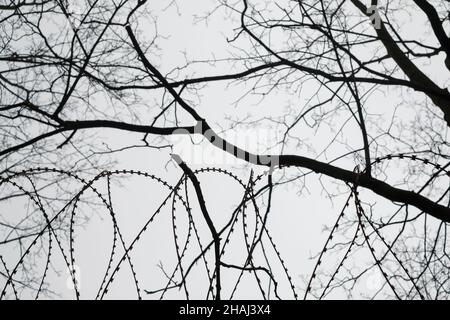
<point>256,236</point>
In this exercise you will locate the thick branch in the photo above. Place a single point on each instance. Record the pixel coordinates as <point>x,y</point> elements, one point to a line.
<point>206,216</point>
<point>409,68</point>
<point>91,124</point>
<point>377,186</point>
<point>437,27</point>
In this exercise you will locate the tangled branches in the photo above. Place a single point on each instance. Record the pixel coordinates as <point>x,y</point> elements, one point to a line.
<point>406,276</point>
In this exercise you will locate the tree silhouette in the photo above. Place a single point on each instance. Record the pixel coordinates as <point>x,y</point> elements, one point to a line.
<point>366,116</point>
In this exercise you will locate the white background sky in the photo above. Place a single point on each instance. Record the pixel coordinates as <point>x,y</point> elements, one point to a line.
<point>298,215</point>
